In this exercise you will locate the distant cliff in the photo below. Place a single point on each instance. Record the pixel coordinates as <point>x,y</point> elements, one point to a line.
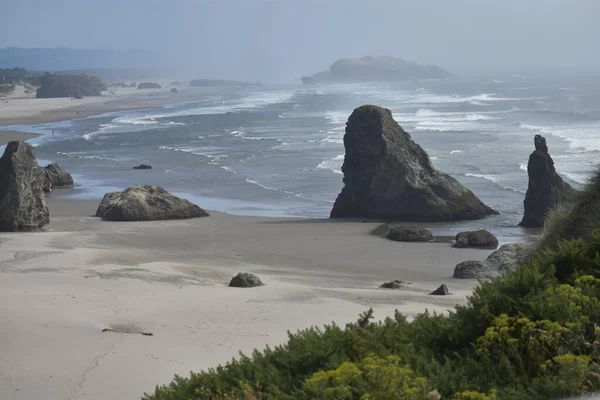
<point>369,69</point>
<point>69,86</point>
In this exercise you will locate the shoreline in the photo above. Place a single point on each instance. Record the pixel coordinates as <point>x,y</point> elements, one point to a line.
<point>9,136</point>
<point>63,286</point>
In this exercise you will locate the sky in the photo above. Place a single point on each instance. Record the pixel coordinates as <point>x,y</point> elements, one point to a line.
<point>286,39</point>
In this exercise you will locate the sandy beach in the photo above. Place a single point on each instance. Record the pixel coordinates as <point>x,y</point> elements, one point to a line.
<point>60,288</point>
<point>29,110</point>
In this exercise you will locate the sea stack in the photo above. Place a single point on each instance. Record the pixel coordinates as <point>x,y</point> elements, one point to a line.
<point>22,203</point>
<point>546,188</point>
<point>389,176</point>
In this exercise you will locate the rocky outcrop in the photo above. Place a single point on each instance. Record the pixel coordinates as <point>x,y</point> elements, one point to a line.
<point>149,85</point>
<point>507,257</point>
<point>146,203</point>
<point>389,176</point>
<point>143,166</point>
<point>22,202</point>
<point>245,280</point>
<point>371,69</point>
<point>76,86</point>
<point>57,176</point>
<point>410,234</point>
<point>174,90</point>
<point>480,239</point>
<point>546,188</point>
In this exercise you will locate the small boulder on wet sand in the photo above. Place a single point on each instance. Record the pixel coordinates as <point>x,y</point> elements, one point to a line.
<point>395,284</point>
<point>143,166</point>
<point>441,291</point>
<point>146,203</point>
<point>410,234</point>
<point>481,239</point>
<point>245,280</point>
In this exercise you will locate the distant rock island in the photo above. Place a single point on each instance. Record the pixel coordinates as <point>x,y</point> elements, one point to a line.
<point>369,69</point>
<point>219,82</point>
<point>69,86</point>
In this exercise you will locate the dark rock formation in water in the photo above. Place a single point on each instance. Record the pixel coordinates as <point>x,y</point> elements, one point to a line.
<point>149,85</point>
<point>22,202</point>
<point>546,188</point>
<point>174,90</point>
<point>143,166</point>
<point>410,234</point>
<point>389,176</point>
<point>508,256</point>
<point>146,203</point>
<point>371,69</point>
<point>57,176</point>
<point>77,86</point>
<point>245,280</point>
<point>481,239</point>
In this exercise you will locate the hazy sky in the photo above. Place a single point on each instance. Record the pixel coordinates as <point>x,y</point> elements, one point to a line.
<point>275,40</point>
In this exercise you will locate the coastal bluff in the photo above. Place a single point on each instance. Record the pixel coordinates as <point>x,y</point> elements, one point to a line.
<point>78,86</point>
<point>390,177</point>
<point>372,69</point>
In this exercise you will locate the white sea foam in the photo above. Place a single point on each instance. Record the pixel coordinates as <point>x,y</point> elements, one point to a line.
<point>581,137</point>
<point>334,164</point>
<point>456,152</point>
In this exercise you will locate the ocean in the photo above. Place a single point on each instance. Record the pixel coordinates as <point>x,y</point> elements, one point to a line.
<point>278,150</point>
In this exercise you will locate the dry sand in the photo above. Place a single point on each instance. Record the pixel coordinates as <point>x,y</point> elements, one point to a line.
<point>59,289</point>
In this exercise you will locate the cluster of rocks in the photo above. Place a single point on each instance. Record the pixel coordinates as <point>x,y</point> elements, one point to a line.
<point>442,290</point>
<point>507,257</point>
<point>57,176</point>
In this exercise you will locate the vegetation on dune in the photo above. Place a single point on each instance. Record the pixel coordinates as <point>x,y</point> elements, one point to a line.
<point>532,333</point>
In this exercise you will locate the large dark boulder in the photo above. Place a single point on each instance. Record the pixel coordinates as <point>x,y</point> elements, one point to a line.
<point>472,270</point>
<point>389,176</point>
<point>76,86</point>
<point>410,234</point>
<point>245,280</point>
<point>57,176</point>
<point>22,202</point>
<point>546,188</point>
<point>149,85</point>
<point>143,166</point>
<point>481,239</point>
<point>508,256</point>
<point>370,69</point>
<point>146,203</point>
